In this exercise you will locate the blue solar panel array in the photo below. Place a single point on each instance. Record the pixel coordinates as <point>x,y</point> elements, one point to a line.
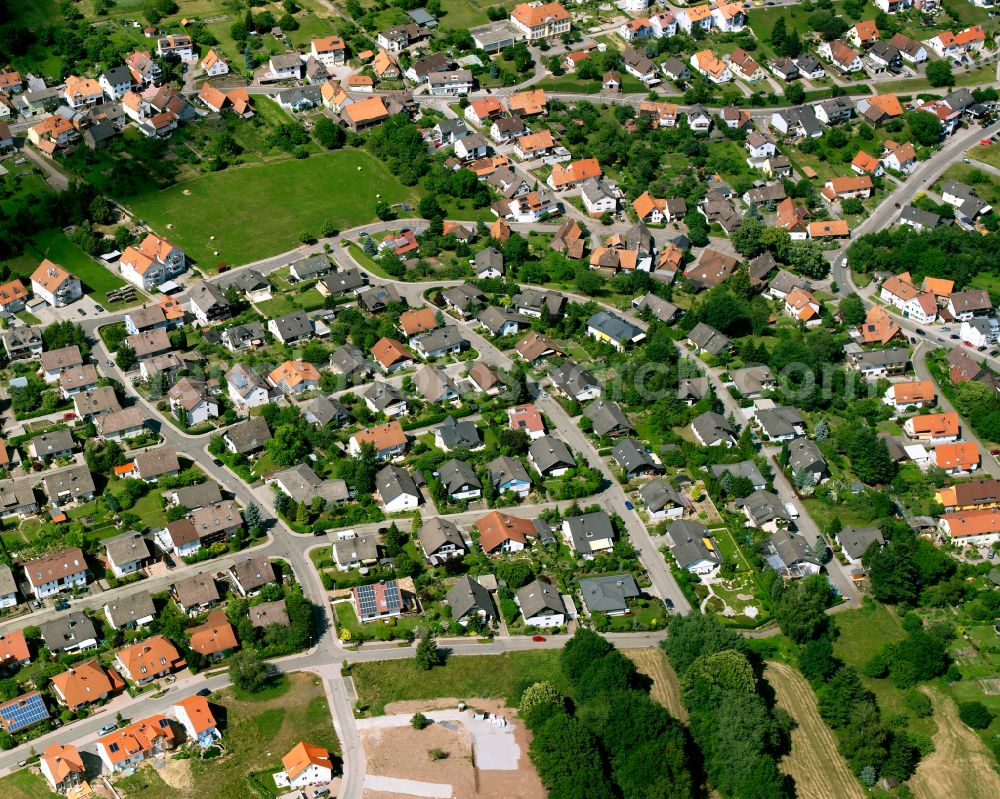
<point>390,596</point>
<point>23,712</point>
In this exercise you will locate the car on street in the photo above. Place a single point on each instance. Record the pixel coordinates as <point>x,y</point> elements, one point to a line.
<point>954,336</point>
<point>64,605</point>
<point>109,362</point>
<point>669,603</point>
<point>81,311</point>
<point>99,308</point>
<point>629,505</point>
<point>107,728</point>
<point>319,533</point>
<point>538,638</point>
<point>216,461</point>
<point>921,332</point>
<point>913,339</point>
<point>204,692</point>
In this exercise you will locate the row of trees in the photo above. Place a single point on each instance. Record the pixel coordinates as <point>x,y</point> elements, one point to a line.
<point>740,736</point>
<point>607,738</point>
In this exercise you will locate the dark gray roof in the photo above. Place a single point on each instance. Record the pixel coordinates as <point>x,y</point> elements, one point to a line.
<point>394,481</point>
<point>659,494</point>
<point>791,549</point>
<point>129,609</point>
<point>67,631</point>
<point>764,506</point>
<point>504,469</point>
<point>805,455</point>
<point>468,596</point>
<point>494,318</point>
<point>855,540</point>
<point>249,436</point>
<point>534,299</point>
<point>572,379</point>
<point>549,453</point>
<point>253,573</point>
<point>378,298</point>
<point>58,440</point>
<point>463,296</point>
<point>590,527</point>
<point>746,469</point>
<point>269,613</point>
<point>322,411</point>
<point>293,326</point>
<point>807,62</point>
<point>442,338</point>
<point>707,338</point>
<point>752,379</point>
<point>537,597</point>
<point>780,421</point>
<point>458,476</point>
<point>688,543</point>
<point>304,485</point>
<point>614,327</point>
<point>489,258</point>
<point>606,417</point>
<point>382,395</point>
<point>240,336</point>
<point>632,456</point>
<point>76,480</point>
<point>117,75</point>
<point>343,281</point>
<point>919,217</point>
<point>712,426</point>
<point>200,495</point>
<point>692,388</point>
<point>608,594</point>
<point>459,434</point>
<point>348,359</point>
<point>436,532</point>
<point>892,356</point>
<point>660,308</point>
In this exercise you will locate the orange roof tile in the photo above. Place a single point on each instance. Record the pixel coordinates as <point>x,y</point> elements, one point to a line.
<point>830,228</point>
<point>972,522</point>
<point>215,635</point>
<point>294,372</point>
<point>938,425</point>
<point>889,103</point>
<point>864,162</point>
<point>495,528</point>
<point>576,172</point>
<point>962,455</point>
<point>367,110</point>
<point>938,286</point>
<point>154,654</point>
<point>304,755</point>
<point>140,736</point>
<point>418,320</point>
<point>388,351</point>
<point>199,713</point>
<point>49,276</point>
<point>12,292</point>
<point>13,648</point>
<point>85,683</point>
<point>914,391</point>
<point>383,436</point>
<point>62,761</point>
<point>879,326</point>
<point>528,103</point>
<point>532,16</point>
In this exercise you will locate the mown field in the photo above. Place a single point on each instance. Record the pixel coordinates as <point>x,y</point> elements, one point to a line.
<point>247,213</point>
<point>466,677</point>
<point>666,688</point>
<point>819,770</point>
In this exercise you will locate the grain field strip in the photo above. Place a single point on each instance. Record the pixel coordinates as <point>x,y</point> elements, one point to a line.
<point>960,764</point>
<point>666,688</point>
<point>814,763</point>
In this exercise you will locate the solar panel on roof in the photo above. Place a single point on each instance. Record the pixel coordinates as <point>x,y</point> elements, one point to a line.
<point>23,712</point>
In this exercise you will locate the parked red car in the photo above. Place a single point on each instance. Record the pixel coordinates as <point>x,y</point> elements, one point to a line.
<point>538,638</point>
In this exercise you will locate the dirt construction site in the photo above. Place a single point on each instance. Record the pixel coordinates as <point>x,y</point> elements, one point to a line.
<point>478,752</point>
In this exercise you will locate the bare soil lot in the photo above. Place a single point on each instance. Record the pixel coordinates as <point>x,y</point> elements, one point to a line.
<point>404,753</point>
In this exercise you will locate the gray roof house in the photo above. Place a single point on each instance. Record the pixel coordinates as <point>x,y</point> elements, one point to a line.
<point>805,457</point>
<point>509,474</point>
<point>200,495</point>
<point>607,418</point>
<point>705,338</point>
<point>550,456</point>
<point>613,330</point>
<point>74,632</point>
<point>440,539</point>
<point>752,380</point>
<point>541,604</point>
<point>780,423</point>
<point>634,459</point>
<point>765,510</point>
<point>790,555</point>
<point>693,547</point>
<point>459,480</point>
<point>575,382</point>
<point>355,552</point>
<point>378,299</point>
<point>397,489</point>
<point>854,541</point>
<point>435,385</point>
<point>502,321</point>
<point>348,360</point>
<point>460,434</point>
<point>308,268</point>
<point>489,263</point>
<point>589,533</point>
<point>292,327</point>
<point>662,500</point>
<point>608,594</point>
<point>322,411</point>
<point>134,610</point>
<point>746,469</point>
<point>468,597</point>
<point>128,552</point>
<point>439,342</point>
<point>346,281</point>
<point>302,484</point>
<point>246,437</point>
<point>712,430</point>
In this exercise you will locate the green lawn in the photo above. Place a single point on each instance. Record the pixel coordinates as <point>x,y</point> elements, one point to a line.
<point>468,13</point>
<point>25,785</point>
<point>97,279</point>
<point>571,83</point>
<point>861,634</point>
<point>987,154</point>
<point>467,677</point>
<point>257,211</point>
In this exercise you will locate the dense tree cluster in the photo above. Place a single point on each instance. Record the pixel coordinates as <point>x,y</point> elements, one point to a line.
<point>614,741</point>
<point>911,570</point>
<point>946,250</point>
<point>740,737</point>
